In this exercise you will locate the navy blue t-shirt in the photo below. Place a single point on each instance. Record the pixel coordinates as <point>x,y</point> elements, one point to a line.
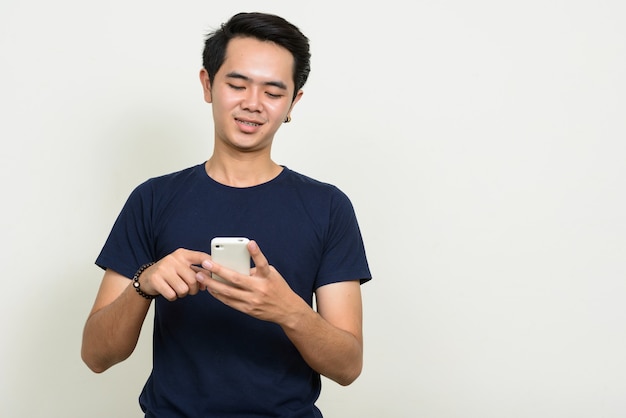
<point>209,359</point>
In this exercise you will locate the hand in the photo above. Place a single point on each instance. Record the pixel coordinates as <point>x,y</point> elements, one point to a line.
<point>173,276</point>
<point>264,294</point>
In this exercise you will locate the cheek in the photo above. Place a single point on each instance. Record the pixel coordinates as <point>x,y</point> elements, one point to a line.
<point>224,96</point>
<point>277,109</point>
<point>223,107</point>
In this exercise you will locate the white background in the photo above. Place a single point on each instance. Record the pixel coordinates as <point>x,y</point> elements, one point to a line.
<point>482,144</point>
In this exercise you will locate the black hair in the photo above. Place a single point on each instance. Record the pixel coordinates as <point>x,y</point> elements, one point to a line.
<point>265,27</point>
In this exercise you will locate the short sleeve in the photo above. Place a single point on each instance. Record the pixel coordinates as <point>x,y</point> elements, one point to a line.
<point>343,257</point>
<point>128,244</point>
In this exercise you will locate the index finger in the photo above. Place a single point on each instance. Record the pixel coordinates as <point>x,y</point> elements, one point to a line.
<point>195,257</point>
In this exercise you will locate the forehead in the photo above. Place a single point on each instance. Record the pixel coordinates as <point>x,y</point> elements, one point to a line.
<point>258,60</point>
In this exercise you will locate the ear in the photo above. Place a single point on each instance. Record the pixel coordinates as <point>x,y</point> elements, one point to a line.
<point>206,85</point>
<point>294,101</point>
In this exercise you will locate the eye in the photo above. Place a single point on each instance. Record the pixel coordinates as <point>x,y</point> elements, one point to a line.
<point>274,95</point>
<point>235,87</point>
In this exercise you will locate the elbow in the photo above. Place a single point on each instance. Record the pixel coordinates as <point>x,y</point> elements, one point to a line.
<point>91,363</point>
<point>352,368</point>
<point>348,379</point>
<point>89,357</point>
<point>95,361</point>
<point>96,369</point>
<point>349,375</point>
<point>101,362</point>
<point>98,356</point>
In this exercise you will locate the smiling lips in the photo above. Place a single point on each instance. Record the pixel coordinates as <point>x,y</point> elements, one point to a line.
<point>248,123</point>
<point>248,126</point>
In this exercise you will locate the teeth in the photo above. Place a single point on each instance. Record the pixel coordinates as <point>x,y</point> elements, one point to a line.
<point>249,123</point>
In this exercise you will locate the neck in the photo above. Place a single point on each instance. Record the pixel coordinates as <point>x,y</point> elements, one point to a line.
<point>241,173</point>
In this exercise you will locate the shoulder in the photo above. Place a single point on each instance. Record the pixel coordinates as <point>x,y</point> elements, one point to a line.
<point>299,178</point>
<point>309,185</point>
<point>169,183</point>
<point>162,189</point>
<point>173,178</point>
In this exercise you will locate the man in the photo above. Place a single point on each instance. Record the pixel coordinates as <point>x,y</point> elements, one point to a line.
<point>253,347</point>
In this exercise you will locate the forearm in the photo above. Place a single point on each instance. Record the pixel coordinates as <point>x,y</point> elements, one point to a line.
<point>331,351</point>
<point>111,333</point>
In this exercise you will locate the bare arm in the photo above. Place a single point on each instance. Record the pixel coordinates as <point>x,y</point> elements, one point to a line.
<point>114,324</point>
<point>330,340</point>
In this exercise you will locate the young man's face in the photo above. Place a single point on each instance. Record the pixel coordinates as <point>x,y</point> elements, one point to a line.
<point>251,94</point>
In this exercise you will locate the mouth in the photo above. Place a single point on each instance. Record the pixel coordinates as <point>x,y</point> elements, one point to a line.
<point>250,123</point>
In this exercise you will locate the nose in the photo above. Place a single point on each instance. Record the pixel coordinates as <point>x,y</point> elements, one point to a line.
<point>252,100</point>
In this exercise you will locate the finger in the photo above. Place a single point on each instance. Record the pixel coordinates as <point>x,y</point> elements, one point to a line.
<point>187,270</point>
<point>202,279</point>
<point>213,273</point>
<point>188,283</point>
<point>153,282</point>
<point>195,257</point>
<point>262,267</point>
<point>175,275</point>
<point>199,269</point>
<point>212,269</point>
<point>202,276</point>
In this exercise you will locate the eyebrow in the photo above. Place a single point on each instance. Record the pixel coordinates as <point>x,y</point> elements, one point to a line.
<point>278,84</point>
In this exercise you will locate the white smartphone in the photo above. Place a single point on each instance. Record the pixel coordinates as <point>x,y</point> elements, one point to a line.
<point>231,252</point>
